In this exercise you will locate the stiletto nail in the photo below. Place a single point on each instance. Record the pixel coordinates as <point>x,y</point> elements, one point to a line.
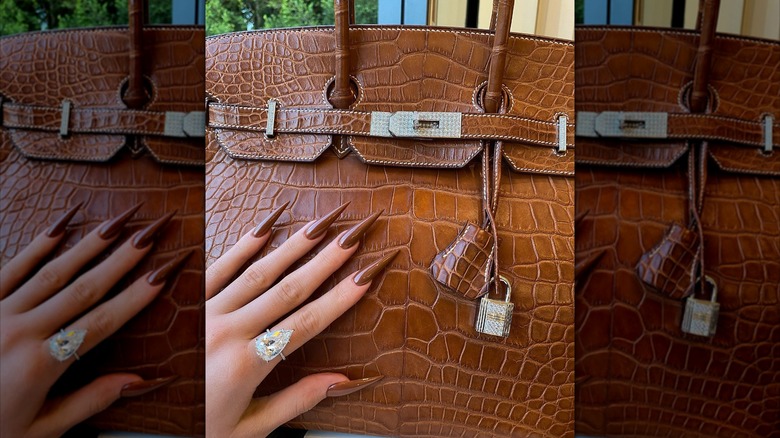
<point>350,386</point>
<point>352,236</point>
<point>58,227</point>
<point>365,275</point>
<point>144,386</point>
<point>145,237</point>
<point>265,225</point>
<point>321,225</point>
<point>111,229</point>
<point>161,274</point>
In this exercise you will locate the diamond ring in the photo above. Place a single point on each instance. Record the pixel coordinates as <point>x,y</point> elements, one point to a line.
<point>271,343</point>
<point>64,344</point>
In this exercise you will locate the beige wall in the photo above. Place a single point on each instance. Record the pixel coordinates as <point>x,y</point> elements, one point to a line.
<point>757,18</point>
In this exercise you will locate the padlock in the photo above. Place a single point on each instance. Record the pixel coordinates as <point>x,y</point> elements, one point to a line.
<point>701,316</point>
<point>495,316</point>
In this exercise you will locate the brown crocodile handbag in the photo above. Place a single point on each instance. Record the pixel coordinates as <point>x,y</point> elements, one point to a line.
<point>104,116</point>
<point>678,186</point>
<point>463,138</point>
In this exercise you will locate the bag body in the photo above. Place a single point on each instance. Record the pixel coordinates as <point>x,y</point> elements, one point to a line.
<point>111,158</point>
<point>442,377</point>
<point>638,373</point>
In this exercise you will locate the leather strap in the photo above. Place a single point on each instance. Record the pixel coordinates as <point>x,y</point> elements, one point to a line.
<point>493,94</point>
<point>684,126</point>
<point>342,97</point>
<point>103,120</point>
<point>477,126</point>
<point>708,11</point>
<point>135,96</point>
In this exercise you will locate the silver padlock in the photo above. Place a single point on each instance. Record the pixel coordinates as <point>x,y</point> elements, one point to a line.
<point>495,317</point>
<point>701,316</point>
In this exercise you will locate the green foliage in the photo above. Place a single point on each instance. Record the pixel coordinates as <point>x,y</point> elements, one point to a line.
<point>579,11</point>
<point>224,16</point>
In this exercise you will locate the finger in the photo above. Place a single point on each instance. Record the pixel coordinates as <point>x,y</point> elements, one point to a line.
<point>291,291</point>
<point>62,414</point>
<point>314,317</point>
<point>105,319</point>
<point>19,267</point>
<point>267,413</point>
<point>264,272</point>
<point>56,274</point>
<point>225,267</point>
<point>88,288</point>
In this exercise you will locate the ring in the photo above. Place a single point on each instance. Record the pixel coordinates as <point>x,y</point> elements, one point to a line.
<point>270,344</point>
<point>64,344</point>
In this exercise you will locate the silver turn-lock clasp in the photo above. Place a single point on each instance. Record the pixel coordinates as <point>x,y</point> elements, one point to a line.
<point>701,316</point>
<point>495,316</point>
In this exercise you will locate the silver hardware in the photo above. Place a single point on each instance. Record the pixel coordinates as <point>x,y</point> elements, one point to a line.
<point>65,118</point>
<point>179,124</point>
<point>495,317</point>
<point>416,124</point>
<point>701,316</point>
<point>269,126</point>
<point>562,134</point>
<point>622,124</point>
<point>768,125</point>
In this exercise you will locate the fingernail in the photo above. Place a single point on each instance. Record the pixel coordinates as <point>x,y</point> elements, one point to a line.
<point>350,386</point>
<point>352,236</point>
<point>321,225</point>
<point>111,229</point>
<point>161,274</point>
<point>145,237</point>
<point>144,386</point>
<point>265,225</point>
<point>59,227</point>
<point>365,275</point>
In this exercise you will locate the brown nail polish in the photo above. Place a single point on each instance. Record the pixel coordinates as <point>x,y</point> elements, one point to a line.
<point>161,274</point>
<point>265,225</point>
<point>350,386</point>
<point>113,227</point>
<point>58,227</point>
<point>321,225</point>
<point>145,237</point>
<point>352,236</point>
<point>144,386</point>
<point>365,275</point>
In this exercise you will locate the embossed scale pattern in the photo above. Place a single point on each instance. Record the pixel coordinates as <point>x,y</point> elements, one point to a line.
<point>442,377</point>
<point>166,338</point>
<point>670,266</point>
<point>637,373</point>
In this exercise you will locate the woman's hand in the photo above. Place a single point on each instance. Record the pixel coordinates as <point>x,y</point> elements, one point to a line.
<point>43,318</point>
<point>238,312</point>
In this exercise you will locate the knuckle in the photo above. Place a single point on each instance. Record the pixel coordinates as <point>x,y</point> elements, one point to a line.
<point>102,323</point>
<point>308,322</point>
<point>83,292</point>
<point>255,278</point>
<point>290,292</point>
<point>49,277</point>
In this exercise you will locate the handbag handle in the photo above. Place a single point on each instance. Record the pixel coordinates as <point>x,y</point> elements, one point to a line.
<point>707,22</point>
<point>342,96</point>
<point>136,96</point>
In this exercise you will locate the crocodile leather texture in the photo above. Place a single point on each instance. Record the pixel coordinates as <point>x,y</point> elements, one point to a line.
<point>442,377</point>
<point>464,266</point>
<point>43,175</point>
<point>638,374</point>
<point>670,267</point>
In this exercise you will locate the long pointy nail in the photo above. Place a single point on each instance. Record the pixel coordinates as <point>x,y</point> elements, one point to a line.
<point>113,227</point>
<point>59,226</point>
<point>144,386</point>
<point>321,225</point>
<point>350,386</point>
<point>265,225</point>
<point>352,236</point>
<point>161,274</point>
<point>146,236</point>
<point>365,275</point>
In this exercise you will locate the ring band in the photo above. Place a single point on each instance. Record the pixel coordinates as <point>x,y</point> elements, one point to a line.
<point>64,344</point>
<point>270,344</point>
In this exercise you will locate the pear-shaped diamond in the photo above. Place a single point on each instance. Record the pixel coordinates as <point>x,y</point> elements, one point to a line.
<point>271,343</point>
<point>64,344</point>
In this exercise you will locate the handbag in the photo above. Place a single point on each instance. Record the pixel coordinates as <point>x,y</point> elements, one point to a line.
<point>678,177</point>
<point>109,117</point>
<point>464,138</point>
